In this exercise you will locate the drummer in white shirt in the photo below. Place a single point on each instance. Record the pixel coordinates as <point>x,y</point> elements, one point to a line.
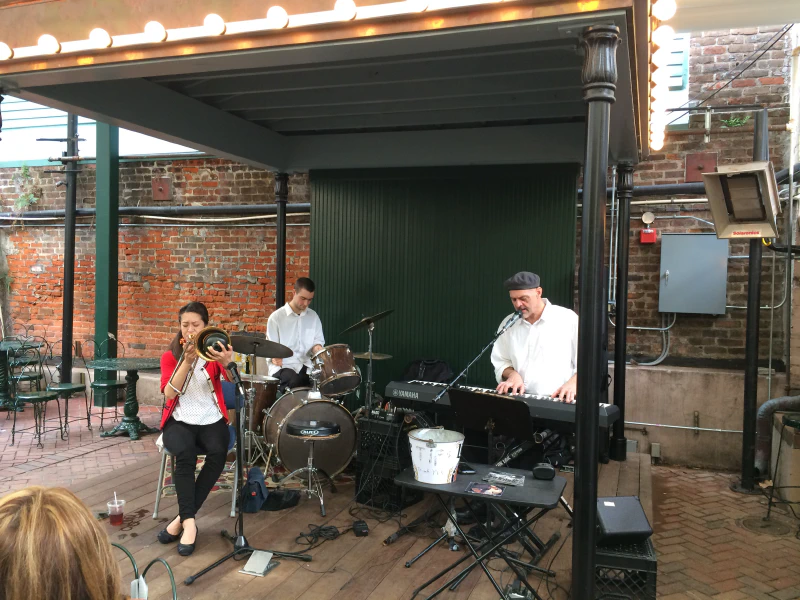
<point>298,327</point>
<point>539,353</point>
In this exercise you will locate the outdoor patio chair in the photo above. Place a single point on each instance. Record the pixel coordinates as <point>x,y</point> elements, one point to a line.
<point>25,388</point>
<point>114,388</point>
<point>229,392</point>
<point>66,390</point>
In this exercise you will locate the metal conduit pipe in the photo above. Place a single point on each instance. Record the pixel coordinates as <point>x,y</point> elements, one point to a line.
<point>764,430</point>
<point>699,188</point>
<point>233,209</point>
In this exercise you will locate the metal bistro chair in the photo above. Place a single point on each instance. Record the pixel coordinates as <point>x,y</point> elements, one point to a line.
<point>30,375</point>
<point>230,402</point>
<point>112,388</point>
<point>66,390</point>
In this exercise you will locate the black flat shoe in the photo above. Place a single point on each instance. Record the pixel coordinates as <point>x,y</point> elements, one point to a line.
<point>187,549</point>
<point>165,537</point>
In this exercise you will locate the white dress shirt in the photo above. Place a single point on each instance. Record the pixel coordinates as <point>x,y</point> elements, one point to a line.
<point>198,406</point>
<point>299,332</point>
<point>544,353</point>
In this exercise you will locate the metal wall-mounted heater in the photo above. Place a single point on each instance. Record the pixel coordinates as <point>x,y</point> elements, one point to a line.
<point>744,200</point>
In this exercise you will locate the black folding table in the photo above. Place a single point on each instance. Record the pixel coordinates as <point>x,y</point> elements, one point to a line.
<point>516,502</point>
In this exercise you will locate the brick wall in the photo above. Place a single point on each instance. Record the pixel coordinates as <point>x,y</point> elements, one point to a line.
<point>713,58</point>
<point>230,268</point>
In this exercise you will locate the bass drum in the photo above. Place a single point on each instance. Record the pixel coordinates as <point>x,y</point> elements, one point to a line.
<point>331,456</point>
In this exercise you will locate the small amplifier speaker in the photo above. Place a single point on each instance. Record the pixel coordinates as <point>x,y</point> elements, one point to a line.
<point>621,520</point>
<point>382,453</point>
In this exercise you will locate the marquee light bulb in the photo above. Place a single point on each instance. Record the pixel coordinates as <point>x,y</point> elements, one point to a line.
<point>155,32</point>
<point>214,24</point>
<point>656,144</point>
<point>663,36</point>
<point>49,44</point>
<point>345,9</point>
<point>660,76</point>
<point>664,10</point>
<point>100,38</point>
<point>5,51</point>
<point>661,58</point>
<point>277,17</point>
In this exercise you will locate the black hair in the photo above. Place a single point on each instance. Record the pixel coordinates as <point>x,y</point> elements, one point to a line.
<point>176,345</point>
<point>304,283</point>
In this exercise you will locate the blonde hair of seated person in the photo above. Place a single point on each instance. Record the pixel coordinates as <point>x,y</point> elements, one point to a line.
<point>53,548</point>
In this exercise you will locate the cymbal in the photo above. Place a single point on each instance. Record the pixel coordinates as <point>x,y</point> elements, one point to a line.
<point>375,356</point>
<point>263,348</point>
<point>365,322</point>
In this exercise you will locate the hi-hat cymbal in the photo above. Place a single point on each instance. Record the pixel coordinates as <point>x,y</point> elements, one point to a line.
<point>263,348</point>
<point>375,356</point>
<point>366,321</point>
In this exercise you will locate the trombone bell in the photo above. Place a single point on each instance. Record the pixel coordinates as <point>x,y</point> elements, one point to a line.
<point>205,340</point>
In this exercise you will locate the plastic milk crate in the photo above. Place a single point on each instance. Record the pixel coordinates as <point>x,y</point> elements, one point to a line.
<point>626,572</point>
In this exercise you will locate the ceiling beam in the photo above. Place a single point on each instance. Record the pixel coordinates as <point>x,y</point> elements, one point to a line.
<point>151,109</point>
<point>404,106</point>
<point>443,87</point>
<point>427,119</point>
<point>561,143</point>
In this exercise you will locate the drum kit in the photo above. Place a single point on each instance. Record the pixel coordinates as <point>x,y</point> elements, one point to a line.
<point>333,375</point>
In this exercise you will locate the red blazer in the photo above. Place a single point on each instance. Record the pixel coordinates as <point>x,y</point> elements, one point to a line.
<point>215,372</point>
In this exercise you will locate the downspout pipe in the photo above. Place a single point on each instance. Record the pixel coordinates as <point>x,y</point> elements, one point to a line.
<point>670,189</point>
<point>764,431</point>
<point>172,211</point>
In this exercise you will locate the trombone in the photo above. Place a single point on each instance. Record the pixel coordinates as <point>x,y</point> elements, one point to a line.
<point>206,339</point>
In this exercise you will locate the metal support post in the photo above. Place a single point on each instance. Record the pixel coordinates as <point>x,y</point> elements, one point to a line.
<point>599,85</point>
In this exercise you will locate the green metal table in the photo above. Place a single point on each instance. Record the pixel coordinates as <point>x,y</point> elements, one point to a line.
<point>130,423</point>
<point>7,346</point>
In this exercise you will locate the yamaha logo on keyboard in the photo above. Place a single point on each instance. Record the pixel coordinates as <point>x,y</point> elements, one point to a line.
<point>405,394</point>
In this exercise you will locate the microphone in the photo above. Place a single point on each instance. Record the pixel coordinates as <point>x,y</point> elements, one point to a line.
<point>514,318</point>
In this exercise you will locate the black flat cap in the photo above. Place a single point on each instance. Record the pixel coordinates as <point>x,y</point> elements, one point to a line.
<point>524,280</point>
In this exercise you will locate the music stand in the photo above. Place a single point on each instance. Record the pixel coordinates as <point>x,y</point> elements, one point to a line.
<point>499,415</point>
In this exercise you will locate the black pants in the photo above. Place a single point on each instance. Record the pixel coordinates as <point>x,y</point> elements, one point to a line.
<point>185,442</point>
<point>289,379</point>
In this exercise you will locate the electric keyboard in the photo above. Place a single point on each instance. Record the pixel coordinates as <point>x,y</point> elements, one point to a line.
<point>544,408</point>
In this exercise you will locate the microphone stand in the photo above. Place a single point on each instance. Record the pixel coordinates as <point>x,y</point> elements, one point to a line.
<point>240,544</point>
<point>514,318</point>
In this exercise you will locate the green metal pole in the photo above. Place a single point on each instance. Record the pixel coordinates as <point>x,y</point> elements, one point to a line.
<point>107,252</point>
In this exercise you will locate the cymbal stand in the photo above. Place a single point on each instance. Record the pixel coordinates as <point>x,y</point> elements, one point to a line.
<point>250,436</point>
<point>368,403</point>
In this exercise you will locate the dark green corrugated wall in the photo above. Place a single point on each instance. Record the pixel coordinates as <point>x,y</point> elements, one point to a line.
<point>436,245</point>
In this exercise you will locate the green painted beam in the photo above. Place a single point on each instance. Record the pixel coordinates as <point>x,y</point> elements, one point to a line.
<point>107,251</point>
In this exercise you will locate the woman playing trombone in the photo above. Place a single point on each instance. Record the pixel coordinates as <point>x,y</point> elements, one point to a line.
<point>194,420</point>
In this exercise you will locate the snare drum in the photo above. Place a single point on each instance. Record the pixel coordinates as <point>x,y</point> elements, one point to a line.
<point>338,374</point>
<point>331,456</point>
<point>266,390</point>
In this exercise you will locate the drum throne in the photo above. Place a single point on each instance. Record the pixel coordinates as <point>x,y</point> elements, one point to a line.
<point>310,432</point>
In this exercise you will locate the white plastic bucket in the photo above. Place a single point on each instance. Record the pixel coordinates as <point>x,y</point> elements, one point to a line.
<point>435,454</point>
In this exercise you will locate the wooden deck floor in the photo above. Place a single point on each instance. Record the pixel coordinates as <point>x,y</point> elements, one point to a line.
<point>347,568</point>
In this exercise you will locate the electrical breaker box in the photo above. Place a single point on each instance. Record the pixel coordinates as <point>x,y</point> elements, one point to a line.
<point>693,274</point>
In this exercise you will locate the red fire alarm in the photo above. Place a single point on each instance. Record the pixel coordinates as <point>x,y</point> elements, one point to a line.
<point>648,235</point>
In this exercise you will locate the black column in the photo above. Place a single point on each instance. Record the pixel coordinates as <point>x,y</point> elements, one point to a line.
<point>760,153</point>
<point>281,197</point>
<point>599,79</point>
<point>625,193</point>
<point>69,249</point>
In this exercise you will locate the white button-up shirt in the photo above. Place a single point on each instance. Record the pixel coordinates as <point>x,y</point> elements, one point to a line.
<point>544,353</point>
<point>299,332</point>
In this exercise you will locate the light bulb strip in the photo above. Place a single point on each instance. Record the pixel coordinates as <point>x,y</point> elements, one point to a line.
<point>347,11</point>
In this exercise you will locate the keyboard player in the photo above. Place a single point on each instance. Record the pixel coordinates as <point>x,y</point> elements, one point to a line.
<point>539,353</point>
